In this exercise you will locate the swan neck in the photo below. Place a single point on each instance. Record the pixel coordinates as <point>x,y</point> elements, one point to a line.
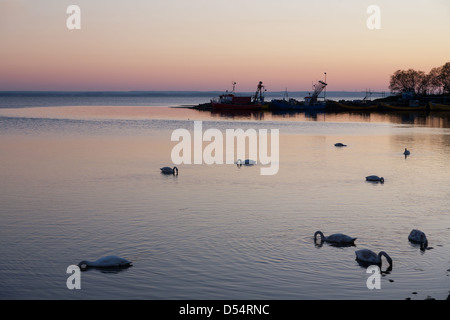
<point>424,240</point>
<point>424,244</point>
<point>322,237</point>
<point>85,264</point>
<point>388,258</point>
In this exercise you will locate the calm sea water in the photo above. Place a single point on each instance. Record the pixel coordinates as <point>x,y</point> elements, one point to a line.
<point>80,181</point>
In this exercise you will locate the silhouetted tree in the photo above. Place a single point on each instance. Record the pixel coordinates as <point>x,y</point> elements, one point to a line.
<point>435,83</point>
<point>445,77</point>
<point>418,82</point>
<point>406,81</point>
<point>423,85</point>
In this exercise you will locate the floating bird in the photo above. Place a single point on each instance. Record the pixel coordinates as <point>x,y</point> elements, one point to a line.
<point>417,236</point>
<point>169,170</point>
<point>375,179</point>
<point>369,257</point>
<point>246,162</point>
<point>340,144</point>
<point>335,238</point>
<point>407,152</point>
<point>105,262</point>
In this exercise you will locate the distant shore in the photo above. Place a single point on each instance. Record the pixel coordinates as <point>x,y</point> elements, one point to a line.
<point>336,101</point>
<point>389,103</point>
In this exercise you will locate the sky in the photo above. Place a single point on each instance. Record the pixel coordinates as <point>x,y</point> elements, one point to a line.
<point>205,45</point>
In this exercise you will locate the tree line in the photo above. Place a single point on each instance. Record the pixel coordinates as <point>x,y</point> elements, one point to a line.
<point>437,81</point>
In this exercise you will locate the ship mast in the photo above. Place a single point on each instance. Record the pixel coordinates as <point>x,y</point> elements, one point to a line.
<point>260,92</point>
<point>318,88</point>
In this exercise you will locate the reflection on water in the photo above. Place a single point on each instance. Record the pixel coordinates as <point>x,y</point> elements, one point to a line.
<point>434,119</point>
<point>78,183</point>
<point>428,119</point>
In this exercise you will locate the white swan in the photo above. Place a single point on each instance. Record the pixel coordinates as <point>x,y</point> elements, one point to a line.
<point>169,170</point>
<point>370,257</point>
<point>335,238</point>
<point>339,144</point>
<point>417,236</point>
<point>375,179</point>
<point>407,152</point>
<point>246,162</point>
<point>105,262</point>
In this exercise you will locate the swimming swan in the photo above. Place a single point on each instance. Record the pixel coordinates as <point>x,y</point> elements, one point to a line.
<point>340,144</point>
<point>417,236</point>
<point>246,162</point>
<point>375,179</point>
<point>335,238</point>
<point>370,257</point>
<point>168,170</point>
<point>105,262</point>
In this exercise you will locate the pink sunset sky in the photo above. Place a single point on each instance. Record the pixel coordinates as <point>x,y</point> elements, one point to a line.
<point>205,44</point>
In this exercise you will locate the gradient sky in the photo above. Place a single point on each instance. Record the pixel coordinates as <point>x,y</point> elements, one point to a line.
<point>206,44</point>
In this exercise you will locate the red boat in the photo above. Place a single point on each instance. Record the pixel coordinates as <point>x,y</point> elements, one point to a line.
<point>229,101</point>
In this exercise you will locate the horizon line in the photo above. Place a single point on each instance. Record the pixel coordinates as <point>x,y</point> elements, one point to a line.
<point>174,91</point>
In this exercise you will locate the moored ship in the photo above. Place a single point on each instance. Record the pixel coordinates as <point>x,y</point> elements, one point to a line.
<point>311,102</point>
<point>286,103</point>
<point>360,105</point>
<point>231,101</point>
<point>439,106</point>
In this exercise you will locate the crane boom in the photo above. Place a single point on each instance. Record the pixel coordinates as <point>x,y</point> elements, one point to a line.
<point>318,88</point>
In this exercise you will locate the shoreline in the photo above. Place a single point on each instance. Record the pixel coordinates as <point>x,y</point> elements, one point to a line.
<point>435,119</point>
<point>387,104</point>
